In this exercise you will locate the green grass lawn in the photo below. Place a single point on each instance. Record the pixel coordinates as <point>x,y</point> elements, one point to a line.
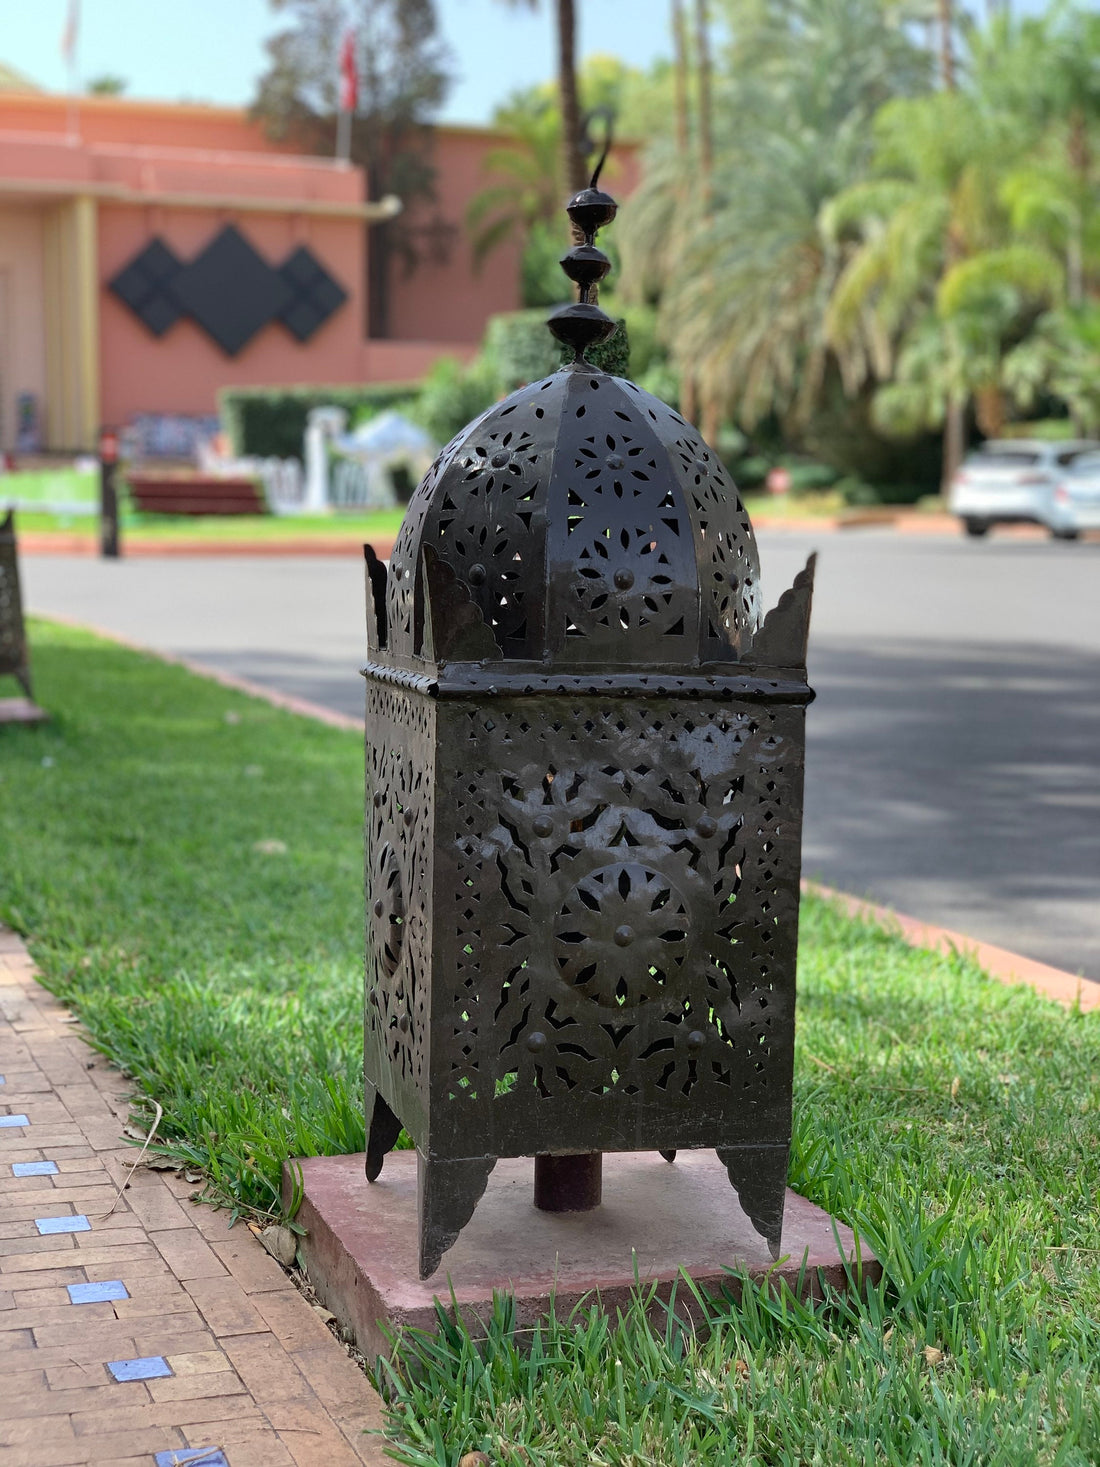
<point>954,1122</point>
<point>380,524</point>
<point>78,488</point>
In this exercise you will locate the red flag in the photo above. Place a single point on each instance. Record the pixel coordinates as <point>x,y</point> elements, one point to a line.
<point>349,75</point>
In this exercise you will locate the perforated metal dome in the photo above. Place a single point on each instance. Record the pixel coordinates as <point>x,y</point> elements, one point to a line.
<point>592,527</point>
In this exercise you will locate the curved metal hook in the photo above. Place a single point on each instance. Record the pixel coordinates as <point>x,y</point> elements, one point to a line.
<point>608,116</point>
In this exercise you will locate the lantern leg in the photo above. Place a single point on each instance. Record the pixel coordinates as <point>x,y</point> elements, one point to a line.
<point>759,1177</point>
<point>669,1155</point>
<point>383,1129</point>
<point>447,1193</point>
<point>569,1183</point>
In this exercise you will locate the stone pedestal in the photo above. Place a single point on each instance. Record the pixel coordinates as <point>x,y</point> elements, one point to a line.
<point>656,1218</point>
<point>21,710</point>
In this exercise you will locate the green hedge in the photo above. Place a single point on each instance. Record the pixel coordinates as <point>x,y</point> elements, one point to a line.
<point>267,422</point>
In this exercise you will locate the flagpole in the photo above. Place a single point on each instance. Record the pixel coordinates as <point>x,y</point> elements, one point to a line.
<point>68,50</point>
<point>348,96</point>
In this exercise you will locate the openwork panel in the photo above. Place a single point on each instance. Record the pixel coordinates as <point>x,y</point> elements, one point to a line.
<point>399,857</point>
<point>481,510</point>
<point>623,580</point>
<point>623,871</point>
<point>725,546</point>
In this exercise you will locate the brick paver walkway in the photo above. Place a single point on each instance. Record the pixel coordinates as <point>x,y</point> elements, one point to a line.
<point>146,1334</point>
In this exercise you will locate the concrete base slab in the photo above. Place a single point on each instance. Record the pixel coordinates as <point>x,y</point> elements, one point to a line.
<point>360,1247</point>
<point>21,710</point>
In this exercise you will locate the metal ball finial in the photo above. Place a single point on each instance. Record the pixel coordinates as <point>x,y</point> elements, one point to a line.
<point>582,324</point>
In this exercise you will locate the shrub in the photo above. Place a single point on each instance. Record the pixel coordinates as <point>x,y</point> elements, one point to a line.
<point>451,396</point>
<point>856,493</point>
<point>750,472</point>
<point>518,349</point>
<point>808,477</point>
<point>611,356</point>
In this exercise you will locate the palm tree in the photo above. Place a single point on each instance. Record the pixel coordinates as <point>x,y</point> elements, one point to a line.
<point>527,190</point>
<point>1041,71</point>
<point>679,51</point>
<point>572,147</point>
<point>523,197</point>
<point>934,289</point>
<point>744,286</point>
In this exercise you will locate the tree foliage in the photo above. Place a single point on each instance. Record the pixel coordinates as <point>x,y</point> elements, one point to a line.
<point>922,246</point>
<point>742,271</point>
<point>404,73</point>
<point>525,189</point>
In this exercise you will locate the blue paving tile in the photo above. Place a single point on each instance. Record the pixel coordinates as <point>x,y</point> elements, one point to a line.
<point>192,1457</point>
<point>77,1224</point>
<point>34,1168</point>
<point>19,1120</point>
<point>97,1293</point>
<point>145,1367</point>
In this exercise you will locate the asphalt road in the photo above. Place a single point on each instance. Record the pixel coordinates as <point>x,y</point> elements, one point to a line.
<point>953,760</point>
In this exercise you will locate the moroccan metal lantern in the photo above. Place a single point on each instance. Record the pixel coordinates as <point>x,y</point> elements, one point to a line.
<point>584,760</point>
<point>13,635</point>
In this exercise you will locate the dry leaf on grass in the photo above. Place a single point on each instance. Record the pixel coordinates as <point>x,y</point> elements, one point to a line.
<point>474,1459</point>
<point>933,1356</point>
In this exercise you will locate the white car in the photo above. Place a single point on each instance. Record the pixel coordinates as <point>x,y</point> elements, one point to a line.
<point>1077,495</point>
<point>1028,481</point>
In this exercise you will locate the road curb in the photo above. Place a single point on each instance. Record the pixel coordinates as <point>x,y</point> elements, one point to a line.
<point>1007,967</point>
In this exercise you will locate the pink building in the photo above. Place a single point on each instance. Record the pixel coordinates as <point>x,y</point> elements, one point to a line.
<point>152,253</point>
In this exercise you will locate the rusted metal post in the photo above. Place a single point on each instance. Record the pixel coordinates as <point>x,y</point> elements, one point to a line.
<point>569,1183</point>
<point>109,546</point>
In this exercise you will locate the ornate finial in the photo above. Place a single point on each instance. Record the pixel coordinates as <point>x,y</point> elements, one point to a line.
<point>582,324</point>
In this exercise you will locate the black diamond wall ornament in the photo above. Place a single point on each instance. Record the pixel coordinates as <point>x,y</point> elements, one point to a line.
<point>146,286</point>
<point>315,295</point>
<point>231,290</point>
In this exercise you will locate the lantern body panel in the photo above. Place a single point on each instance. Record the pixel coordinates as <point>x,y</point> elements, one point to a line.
<point>400,839</point>
<point>616,915</point>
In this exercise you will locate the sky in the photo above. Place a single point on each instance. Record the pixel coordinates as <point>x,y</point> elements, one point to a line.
<point>212,50</point>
